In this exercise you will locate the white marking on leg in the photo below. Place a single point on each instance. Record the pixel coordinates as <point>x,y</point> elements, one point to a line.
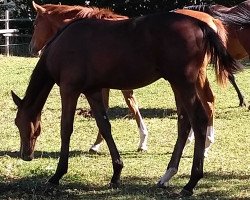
<point>143,134</point>
<point>96,147</point>
<point>209,139</point>
<point>190,137</point>
<point>164,180</point>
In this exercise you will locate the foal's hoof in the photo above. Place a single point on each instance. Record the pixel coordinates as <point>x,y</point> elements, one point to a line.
<point>51,189</point>
<point>162,185</point>
<point>114,185</point>
<point>186,193</point>
<point>53,182</point>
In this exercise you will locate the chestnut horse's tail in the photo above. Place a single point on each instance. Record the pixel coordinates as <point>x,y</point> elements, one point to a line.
<point>222,61</point>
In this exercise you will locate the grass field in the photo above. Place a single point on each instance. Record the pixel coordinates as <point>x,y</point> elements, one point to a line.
<point>227,169</point>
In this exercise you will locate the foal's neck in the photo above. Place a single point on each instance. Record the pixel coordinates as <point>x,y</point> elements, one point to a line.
<point>38,90</point>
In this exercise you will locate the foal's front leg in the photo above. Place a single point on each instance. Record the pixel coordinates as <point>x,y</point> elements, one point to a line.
<point>96,104</point>
<point>69,101</point>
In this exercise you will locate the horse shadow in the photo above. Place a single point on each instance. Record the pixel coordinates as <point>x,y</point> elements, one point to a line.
<point>36,187</point>
<point>118,112</point>
<point>77,153</point>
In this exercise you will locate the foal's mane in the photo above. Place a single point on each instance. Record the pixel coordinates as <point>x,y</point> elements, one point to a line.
<point>77,12</point>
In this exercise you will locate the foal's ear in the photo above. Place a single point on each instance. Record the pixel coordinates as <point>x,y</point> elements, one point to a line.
<point>39,9</point>
<point>16,99</point>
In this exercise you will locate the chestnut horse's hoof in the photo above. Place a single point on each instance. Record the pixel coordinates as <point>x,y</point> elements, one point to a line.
<point>186,193</point>
<point>114,185</point>
<point>243,104</point>
<point>92,151</point>
<point>141,150</point>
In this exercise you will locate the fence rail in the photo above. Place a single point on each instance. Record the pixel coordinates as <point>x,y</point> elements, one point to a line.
<point>8,33</point>
<point>24,19</point>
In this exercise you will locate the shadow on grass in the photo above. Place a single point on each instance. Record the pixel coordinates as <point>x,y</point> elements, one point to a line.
<point>76,153</point>
<point>134,187</point>
<point>119,112</point>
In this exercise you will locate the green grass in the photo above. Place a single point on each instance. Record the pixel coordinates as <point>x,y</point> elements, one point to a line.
<point>227,169</point>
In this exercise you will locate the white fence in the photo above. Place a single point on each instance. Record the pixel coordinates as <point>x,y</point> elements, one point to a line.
<point>9,33</point>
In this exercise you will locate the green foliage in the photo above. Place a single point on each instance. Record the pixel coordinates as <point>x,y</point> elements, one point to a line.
<point>130,8</point>
<point>226,169</point>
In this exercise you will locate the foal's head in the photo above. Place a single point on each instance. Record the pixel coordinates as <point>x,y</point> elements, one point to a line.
<point>29,127</point>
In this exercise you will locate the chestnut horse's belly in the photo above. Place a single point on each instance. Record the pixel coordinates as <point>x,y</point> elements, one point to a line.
<point>235,49</point>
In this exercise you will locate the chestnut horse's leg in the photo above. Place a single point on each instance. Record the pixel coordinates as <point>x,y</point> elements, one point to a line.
<point>97,144</point>
<point>134,109</point>
<point>96,103</point>
<point>189,100</point>
<point>240,95</point>
<point>69,101</point>
<point>207,98</point>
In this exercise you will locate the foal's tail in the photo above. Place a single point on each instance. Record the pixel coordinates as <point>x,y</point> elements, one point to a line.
<point>224,64</point>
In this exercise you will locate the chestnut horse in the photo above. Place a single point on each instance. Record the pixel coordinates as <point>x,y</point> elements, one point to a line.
<point>50,18</point>
<point>236,20</point>
<point>82,57</point>
<point>54,17</point>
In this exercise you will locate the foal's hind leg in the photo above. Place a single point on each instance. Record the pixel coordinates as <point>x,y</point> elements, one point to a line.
<point>207,98</point>
<point>197,116</point>
<point>183,130</point>
<point>134,109</point>
<point>96,103</point>
<point>199,121</point>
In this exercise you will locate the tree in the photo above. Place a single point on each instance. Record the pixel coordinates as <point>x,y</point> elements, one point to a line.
<point>130,8</point>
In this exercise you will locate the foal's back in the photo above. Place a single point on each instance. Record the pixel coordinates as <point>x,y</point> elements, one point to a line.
<point>143,49</point>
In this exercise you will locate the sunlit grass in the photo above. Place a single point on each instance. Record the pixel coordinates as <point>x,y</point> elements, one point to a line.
<point>227,169</point>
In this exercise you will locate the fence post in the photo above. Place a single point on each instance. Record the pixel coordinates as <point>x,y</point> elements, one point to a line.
<point>7,39</point>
